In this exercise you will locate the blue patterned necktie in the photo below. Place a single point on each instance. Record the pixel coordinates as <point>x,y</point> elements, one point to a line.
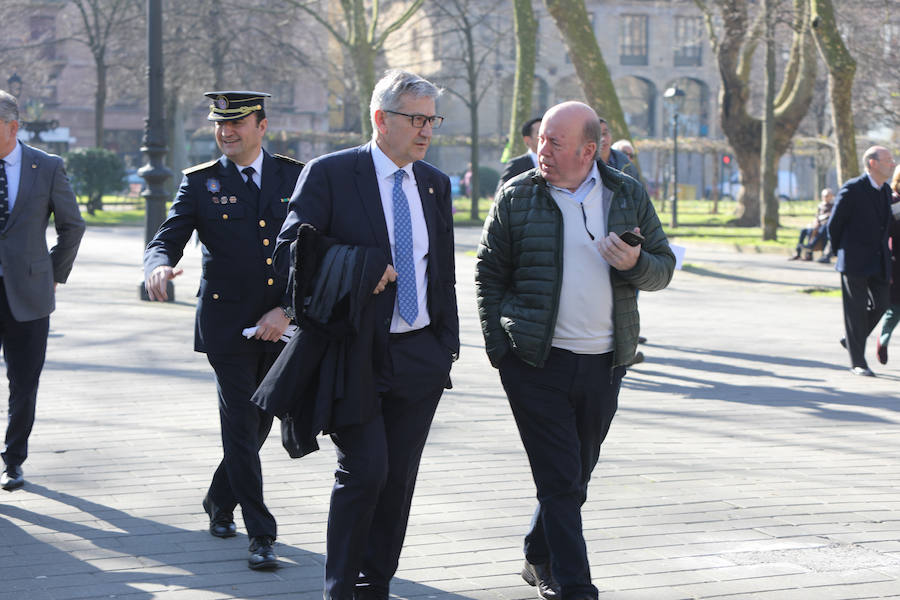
<point>4,195</point>
<point>407,298</point>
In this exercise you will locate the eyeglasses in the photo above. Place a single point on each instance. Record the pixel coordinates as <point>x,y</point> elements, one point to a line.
<point>418,121</point>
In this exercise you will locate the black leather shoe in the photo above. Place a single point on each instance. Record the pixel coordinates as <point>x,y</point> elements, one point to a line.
<point>540,577</point>
<point>12,478</point>
<point>221,524</point>
<point>368,593</point>
<point>844,342</point>
<point>262,556</point>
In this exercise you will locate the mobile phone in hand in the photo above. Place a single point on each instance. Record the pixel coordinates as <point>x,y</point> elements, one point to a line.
<point>631,238</point>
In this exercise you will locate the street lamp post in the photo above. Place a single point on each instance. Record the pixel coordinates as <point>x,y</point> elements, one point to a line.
<point>674,97</point>
<point>32,109</point>
<point>155,172</point>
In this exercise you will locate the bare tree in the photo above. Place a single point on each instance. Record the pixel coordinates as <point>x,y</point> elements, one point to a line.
<point>108,28</point>
<point>359,34</point>
<point>841,71</point>
<point>471,26</point>
<point>734,39</point>
<point>574,25</point>
<point>526,55</point>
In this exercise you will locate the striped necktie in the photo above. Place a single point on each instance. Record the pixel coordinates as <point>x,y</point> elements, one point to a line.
<point>4,195</point>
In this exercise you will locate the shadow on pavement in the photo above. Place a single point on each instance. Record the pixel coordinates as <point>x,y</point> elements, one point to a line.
<point>104,552</point>
<point>814,394</point>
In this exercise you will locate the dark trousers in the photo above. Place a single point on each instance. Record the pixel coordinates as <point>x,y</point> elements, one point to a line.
<point>865,300</point>
<point>563,412</point>
<point>238,479</point>
<point>24,348</point>
<point>377,466</point>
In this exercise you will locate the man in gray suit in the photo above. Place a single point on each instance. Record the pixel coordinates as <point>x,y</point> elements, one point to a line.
<point>33,184</point>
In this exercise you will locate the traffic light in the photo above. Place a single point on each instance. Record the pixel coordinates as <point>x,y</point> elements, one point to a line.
<point>726,159</point>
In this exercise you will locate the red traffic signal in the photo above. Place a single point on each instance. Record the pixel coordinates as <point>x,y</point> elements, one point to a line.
<point>726,159</point>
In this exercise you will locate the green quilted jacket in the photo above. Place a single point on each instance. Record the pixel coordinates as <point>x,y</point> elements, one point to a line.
<point>519,269</point>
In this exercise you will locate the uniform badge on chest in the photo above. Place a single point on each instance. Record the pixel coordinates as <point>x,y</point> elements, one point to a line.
<point>213,185</point>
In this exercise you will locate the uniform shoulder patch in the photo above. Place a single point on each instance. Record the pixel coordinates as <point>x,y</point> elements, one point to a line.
<point>288,159</point>
<point>200,167</point>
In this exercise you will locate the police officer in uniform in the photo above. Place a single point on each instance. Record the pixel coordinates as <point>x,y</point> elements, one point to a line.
<point>236,204</point>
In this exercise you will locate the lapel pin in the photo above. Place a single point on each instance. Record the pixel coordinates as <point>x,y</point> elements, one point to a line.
<point>215,199</point>
<point>34,165</point>
<point>233,199</point>
<point>430,190</point>
<point>286,200</point>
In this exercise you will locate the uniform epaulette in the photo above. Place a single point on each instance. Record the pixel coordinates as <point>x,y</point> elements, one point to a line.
<point>200,167</point>
<point>288,159</point>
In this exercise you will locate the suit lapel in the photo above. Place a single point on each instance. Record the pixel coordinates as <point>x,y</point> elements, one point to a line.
<point>426,193</point>
<point>27,176</point>
<point>370,196</point>
<point>271,182</point>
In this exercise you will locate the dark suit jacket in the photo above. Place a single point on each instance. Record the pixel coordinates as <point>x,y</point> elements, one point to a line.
<point>859,228</point>
<point>238,284</point>
<point>28,267</point>
<point>338,195</point>
<point>514,167</point>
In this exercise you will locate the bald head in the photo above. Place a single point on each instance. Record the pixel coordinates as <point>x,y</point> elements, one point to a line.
<point>567,143</point>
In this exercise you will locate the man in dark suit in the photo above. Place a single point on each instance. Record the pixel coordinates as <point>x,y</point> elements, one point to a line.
<point>33,184</point>
<point>527,161</point>
<point>383,195</point>
<point>236,204</point>
<point>859,228</point>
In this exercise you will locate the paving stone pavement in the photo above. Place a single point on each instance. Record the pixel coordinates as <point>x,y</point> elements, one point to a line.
<point>745,461</point>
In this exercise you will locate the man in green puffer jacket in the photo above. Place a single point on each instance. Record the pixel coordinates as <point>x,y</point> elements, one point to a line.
<point>556,287</point>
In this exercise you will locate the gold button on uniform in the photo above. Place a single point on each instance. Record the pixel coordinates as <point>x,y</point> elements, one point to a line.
<point>262,223</point>
<point>215,296</point>
<point>266,242</point>
<point>271,281</point>
<point>225,217</point>
<point>268,261</point>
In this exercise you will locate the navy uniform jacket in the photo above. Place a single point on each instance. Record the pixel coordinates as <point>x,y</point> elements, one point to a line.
<point>238,283</point>
<point>859,228</point>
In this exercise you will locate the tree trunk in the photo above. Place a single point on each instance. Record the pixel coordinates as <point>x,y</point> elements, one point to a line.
<point>733,48</point>
<point>99,101</point>
<point>572,20</point>
<point>363,59</point>
<point>769,170</point>
<point>526,55</point>
<point>841,71</point>
<point>472,103</point>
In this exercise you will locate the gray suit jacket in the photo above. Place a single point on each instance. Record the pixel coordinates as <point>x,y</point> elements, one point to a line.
<point>29,268</point>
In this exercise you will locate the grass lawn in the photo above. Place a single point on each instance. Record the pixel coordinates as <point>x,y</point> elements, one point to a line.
<point>696,223</point>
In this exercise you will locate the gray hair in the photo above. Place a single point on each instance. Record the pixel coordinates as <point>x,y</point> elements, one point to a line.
<point>9,107</point>
<point>593,132</point>
<point>393,86</point>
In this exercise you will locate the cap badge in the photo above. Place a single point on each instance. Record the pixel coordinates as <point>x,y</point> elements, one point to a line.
<point>222,102</point>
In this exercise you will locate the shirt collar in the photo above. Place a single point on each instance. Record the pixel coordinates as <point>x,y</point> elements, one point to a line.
<point>384,166</point>
<point>15,157</point>
<point>586,186</point>
<point>872,181</point>
<point>256,164</point>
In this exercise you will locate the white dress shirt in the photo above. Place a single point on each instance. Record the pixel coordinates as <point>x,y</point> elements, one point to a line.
<point>384,173</point>
<point>13,173</point>
<point>257,169</point>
